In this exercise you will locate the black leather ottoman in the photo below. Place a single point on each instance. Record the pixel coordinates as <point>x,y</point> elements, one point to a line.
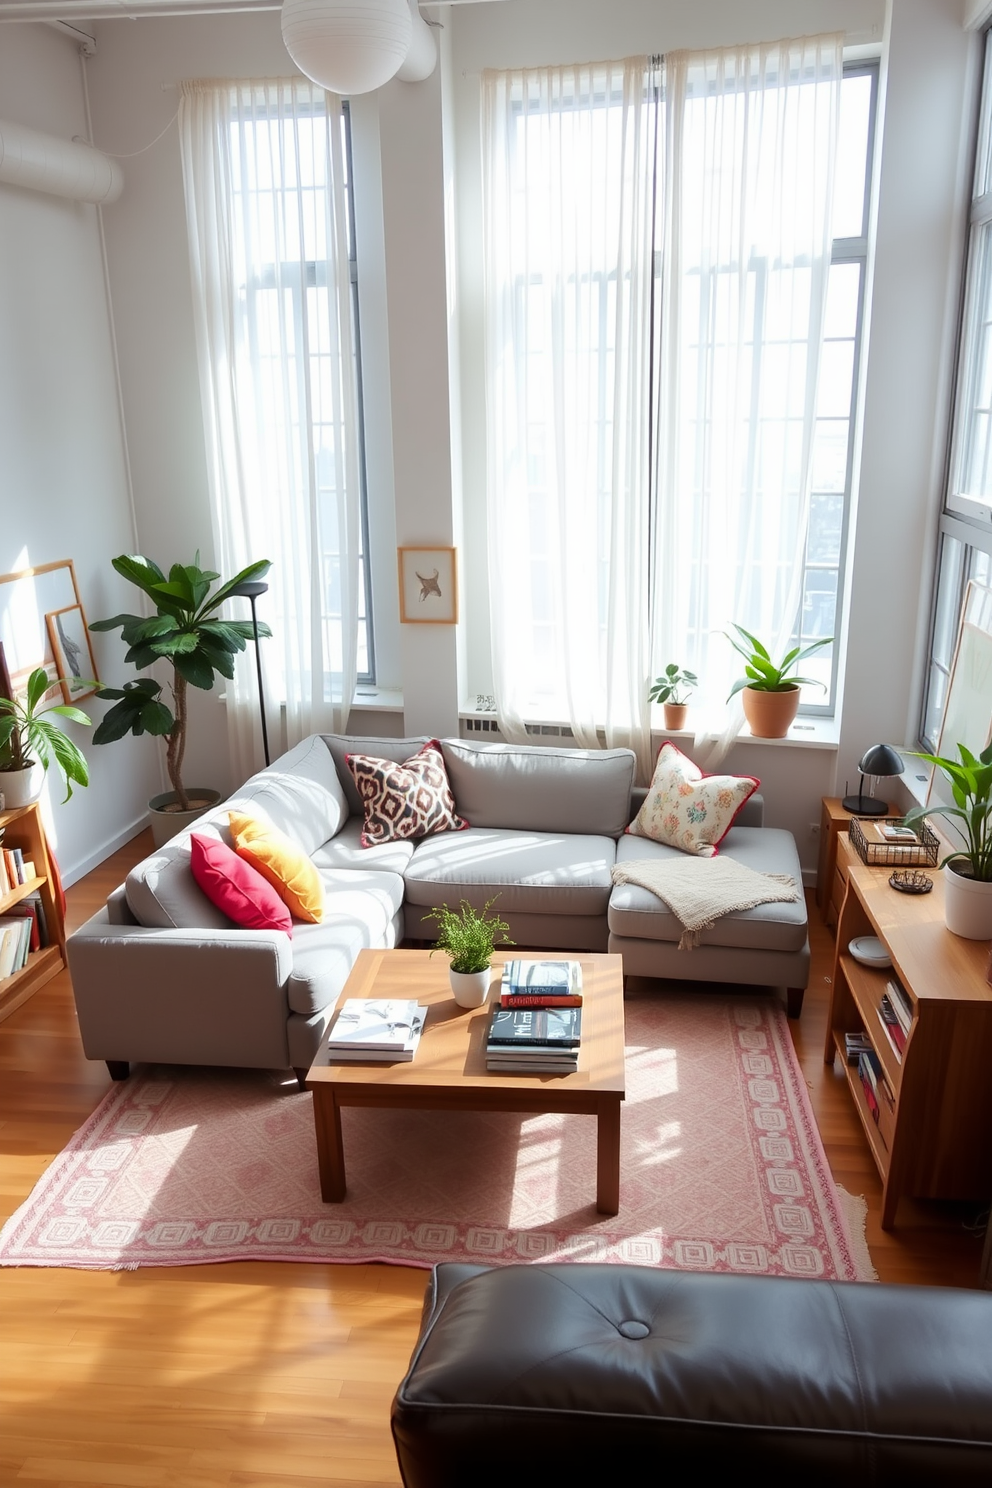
<point>562,1374</point>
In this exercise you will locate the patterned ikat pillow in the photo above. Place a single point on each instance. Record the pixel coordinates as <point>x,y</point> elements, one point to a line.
<point>413,799</point>
<point>686,809</point>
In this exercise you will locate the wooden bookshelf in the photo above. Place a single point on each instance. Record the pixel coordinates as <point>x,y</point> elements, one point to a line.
<point>23,828</point>
<point>936,1140</point>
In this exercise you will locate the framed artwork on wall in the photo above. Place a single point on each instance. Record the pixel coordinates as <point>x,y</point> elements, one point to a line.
<point>428,586</point>
<point>28,599</point>
<point>72,652</point>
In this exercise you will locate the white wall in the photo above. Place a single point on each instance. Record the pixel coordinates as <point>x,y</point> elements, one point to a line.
<point>63,488</point>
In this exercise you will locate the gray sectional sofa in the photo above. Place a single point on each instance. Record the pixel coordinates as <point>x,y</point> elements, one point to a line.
<point>161,975</point>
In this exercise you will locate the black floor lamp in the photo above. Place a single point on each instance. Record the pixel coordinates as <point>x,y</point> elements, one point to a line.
<point>251,591</point>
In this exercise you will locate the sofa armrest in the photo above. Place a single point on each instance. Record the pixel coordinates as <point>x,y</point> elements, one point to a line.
<point>181,996</point>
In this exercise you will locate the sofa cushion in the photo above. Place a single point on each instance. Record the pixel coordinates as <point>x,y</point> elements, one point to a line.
<point>299,793</point>
<point>162,893</point>
<point>688,809</point>
<point>346,851</point>
<point>531,789</point>
<point>341,745</point>
<point>281,861</point>
<point>235,887</point>
<point>533,872</point>
<point>404,800</point>
<point>641,915</point>
<point>360,910</point>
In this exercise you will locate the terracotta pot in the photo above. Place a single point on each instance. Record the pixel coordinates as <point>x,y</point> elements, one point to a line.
<point>470,988</point>
<point>967,904</point>
<point>167,821</point>
<point>769,714</point>
<point>675,715</point>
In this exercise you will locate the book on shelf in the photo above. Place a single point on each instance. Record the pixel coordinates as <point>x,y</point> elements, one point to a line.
<point>894,1030</point>
<point>855,1044</point>
<point>901,1005</point>
<point>382,1024</point>
<point>28,911</point>
<point>547,1027</point>
<point>14,938</point>
<point>560,980</point>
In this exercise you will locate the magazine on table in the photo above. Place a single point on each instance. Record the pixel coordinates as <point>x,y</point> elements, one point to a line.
<point>376,1023</point>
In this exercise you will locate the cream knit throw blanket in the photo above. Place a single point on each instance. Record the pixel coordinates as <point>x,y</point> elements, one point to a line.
<point>700,890</point>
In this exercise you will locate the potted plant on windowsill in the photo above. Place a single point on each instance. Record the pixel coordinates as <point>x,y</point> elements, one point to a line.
<point>770,695</point>
<point>467,936</point>
<point>672,690</point>
<point>184,631</point>
<point>30,743</point>
<point>968,869</point>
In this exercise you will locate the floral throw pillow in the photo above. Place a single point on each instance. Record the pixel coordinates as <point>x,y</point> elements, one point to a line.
<point>686,809</point>
<point>413,799</point>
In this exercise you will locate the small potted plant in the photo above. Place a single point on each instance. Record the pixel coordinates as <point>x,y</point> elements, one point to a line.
<point>672,690</point>
<point>30,743</point>
<point>769,693</point>
<point>467,936</point>
<point>186,632</point>
<point>968,869</point>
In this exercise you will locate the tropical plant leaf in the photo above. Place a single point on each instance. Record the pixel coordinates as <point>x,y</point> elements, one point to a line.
<point>246,576</point>
<point>196,669</point>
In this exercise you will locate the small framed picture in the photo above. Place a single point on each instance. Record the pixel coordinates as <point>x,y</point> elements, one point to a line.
<point>73,653</point>
<point>428,586</point>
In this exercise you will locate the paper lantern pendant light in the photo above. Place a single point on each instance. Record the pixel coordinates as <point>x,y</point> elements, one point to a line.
<point>347,46</point>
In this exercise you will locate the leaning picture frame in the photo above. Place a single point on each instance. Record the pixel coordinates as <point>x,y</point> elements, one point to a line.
<point>72,651</point>
<point>967,715</point>
<point>428,586</point>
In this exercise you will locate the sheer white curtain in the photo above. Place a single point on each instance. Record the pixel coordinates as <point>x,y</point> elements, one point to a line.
<point>264,171</point>
<point>568,172</point>
<point>752,139</point>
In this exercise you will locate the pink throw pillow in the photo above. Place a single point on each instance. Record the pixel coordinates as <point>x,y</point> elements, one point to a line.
<point>235,887</point>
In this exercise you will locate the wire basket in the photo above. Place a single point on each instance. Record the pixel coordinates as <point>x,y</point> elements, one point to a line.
<point>895,854</point>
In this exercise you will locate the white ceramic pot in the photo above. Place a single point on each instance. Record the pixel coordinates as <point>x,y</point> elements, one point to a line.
<point>967,905</point>
<point>470,988</point>
<point>21,787</point>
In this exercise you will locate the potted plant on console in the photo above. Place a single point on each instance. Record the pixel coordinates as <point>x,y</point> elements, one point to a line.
<point>769,693</point>
<point>467,936</point>
<point>30,743</point>
<point>967,870</point>
<point>186,632</point>
<point>672,690</point>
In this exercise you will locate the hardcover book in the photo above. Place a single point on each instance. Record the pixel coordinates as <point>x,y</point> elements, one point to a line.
<point>558,1027</point>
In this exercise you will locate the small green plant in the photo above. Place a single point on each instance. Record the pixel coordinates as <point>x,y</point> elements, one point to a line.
<point>468,935</point>
<point>28,737</point>
<point>971,815</point>
<point>761,672</point>
<point>673,686</point>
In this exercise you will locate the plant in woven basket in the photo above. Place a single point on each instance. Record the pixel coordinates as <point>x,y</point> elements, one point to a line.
<point>468,935</point>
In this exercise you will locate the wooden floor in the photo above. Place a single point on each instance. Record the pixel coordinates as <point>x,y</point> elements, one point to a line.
<point>266,1374</point>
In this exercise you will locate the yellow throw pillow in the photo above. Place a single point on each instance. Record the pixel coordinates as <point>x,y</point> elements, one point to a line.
<point>282,862</point>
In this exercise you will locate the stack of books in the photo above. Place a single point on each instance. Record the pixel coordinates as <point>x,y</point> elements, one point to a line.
<point>855,1045</point>
<point>534,1040</point>
<point>870,1070</point>
<point>541,984</point>
<point>895,1014</point>
<point>22,929</point>
<point>383,1030</point>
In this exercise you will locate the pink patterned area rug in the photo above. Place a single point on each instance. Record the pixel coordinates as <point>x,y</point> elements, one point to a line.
<point>722,1169</point>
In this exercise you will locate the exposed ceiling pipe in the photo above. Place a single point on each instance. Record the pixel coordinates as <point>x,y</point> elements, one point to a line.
<point>44,163</point>
<point>105,10</point>
<point>83,39</point>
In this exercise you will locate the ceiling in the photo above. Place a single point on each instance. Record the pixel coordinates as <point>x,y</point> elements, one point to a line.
<point>101,10</point>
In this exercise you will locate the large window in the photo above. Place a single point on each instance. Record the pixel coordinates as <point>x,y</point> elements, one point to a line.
<point>965,538</point>
<point>673,338</point>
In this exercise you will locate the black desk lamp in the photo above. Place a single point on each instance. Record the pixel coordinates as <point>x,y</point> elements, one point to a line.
<point>880,759</point>
<point>251,591</point>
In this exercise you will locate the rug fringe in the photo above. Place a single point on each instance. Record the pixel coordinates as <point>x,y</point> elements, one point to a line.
<point>855,1208</point>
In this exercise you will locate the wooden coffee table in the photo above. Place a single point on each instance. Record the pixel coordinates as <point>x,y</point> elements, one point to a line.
<point>448,1072</point>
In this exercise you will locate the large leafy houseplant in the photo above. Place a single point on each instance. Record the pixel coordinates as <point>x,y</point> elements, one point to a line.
<point>29,737</point>
<point>468,935</point>
<point>186,632</point>
<point>970,818</point>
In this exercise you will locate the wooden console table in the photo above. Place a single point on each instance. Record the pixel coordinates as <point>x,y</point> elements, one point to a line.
<point>934,1139</point>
